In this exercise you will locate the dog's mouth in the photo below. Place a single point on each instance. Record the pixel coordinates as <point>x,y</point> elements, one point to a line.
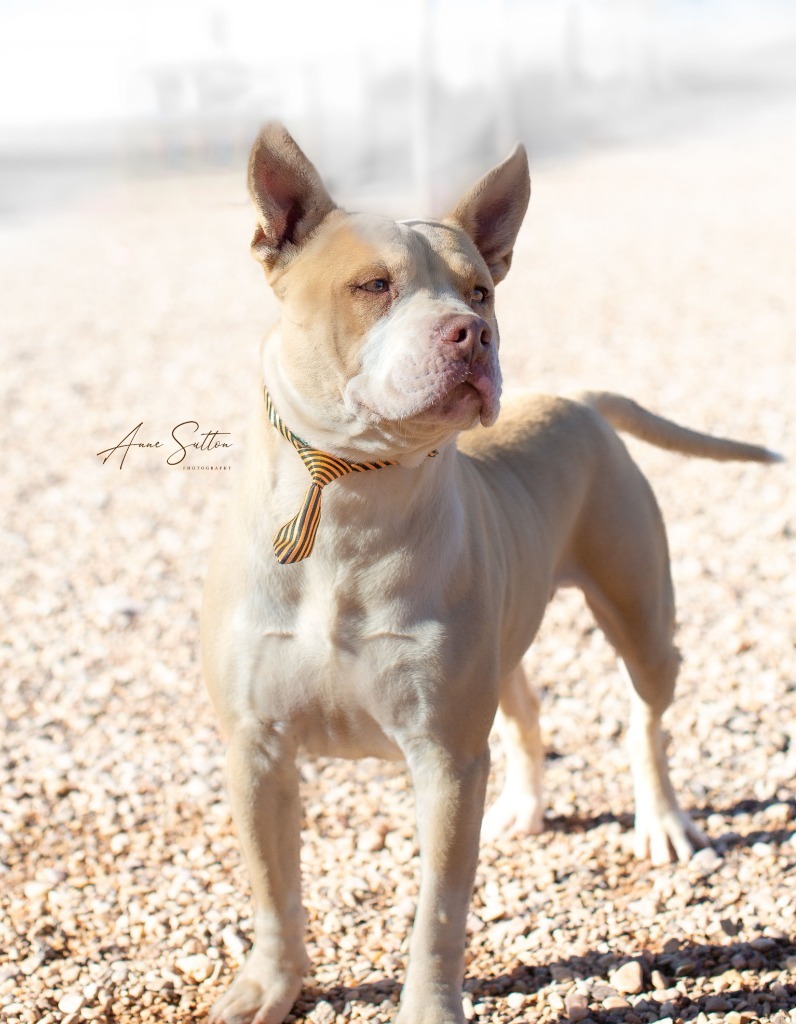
<point>465,398</point>
<point>449,398</point>
<point>476,397</point>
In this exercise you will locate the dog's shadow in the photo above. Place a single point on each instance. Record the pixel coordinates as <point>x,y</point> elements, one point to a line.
<point>732,840</point>
<point>579,824</point>
<point>693,961</point>
<point>371,994</point>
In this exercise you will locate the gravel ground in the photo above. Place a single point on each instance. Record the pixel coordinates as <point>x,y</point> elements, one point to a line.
<point>666,273</point>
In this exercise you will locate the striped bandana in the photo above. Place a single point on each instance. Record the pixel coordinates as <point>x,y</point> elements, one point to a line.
<point>295,539</point>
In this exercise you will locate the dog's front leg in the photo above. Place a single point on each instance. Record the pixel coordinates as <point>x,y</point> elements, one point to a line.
<point>263,786</point>
<point>450,791</point>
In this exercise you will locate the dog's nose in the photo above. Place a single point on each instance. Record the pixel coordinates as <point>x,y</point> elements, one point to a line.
<point>472,334</point>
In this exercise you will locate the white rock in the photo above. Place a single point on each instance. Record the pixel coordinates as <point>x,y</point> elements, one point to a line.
<point>322,1013</point>
<point>577,1005</point>
<point>706,860</point>
<point>197,967</point>
<point>234,942</point>
<point>71,1002</point>
<point>629,978</point>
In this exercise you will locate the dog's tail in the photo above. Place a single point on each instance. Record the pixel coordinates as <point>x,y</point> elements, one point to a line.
<point>628,416</point>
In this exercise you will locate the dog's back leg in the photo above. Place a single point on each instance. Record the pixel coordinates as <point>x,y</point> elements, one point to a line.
<point>651,666</point>
<point>624,563</point>
<point>519,808</point>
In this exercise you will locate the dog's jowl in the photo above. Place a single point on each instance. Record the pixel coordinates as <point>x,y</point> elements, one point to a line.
<point>387,559</point>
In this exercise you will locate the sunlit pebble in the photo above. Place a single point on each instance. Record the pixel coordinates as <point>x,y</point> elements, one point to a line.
<point>71,1002</point>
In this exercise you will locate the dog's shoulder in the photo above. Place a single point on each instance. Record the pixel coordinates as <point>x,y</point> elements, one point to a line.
<point>527,420</point>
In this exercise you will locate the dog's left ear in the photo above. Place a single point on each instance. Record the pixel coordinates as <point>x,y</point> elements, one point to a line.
<point>492,211</point>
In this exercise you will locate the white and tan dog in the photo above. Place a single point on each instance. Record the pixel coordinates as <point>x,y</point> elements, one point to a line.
<point>401,630</point>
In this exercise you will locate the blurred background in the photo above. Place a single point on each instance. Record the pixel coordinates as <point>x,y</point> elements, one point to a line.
<point>389,99</point>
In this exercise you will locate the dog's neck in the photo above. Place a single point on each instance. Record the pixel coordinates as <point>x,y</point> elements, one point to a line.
<point>295,540</point>
<point>361,510</point>
<point>302,446</point>
<point>326,423</point>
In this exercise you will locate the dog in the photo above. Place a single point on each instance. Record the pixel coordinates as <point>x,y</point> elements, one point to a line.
<point>383,567</point>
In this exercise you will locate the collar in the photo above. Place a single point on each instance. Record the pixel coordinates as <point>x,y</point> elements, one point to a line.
<point>295,540</point>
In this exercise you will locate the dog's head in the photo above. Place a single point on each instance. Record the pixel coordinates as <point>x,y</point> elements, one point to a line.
<point>388,343</point>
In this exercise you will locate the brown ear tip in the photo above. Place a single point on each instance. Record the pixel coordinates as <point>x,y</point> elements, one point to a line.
<point>272,133</point>
<point>519,157</point>
<point>519,154</point>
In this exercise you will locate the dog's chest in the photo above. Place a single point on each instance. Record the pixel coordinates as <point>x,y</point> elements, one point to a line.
<point>343,661</point>
<point>324,623</point>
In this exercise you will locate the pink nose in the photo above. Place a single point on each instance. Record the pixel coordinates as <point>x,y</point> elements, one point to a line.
<point>472,334</point>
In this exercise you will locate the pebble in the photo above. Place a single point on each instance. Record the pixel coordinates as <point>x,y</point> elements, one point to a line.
<point>629,978</point>
<point>705,860</point>
<point>36,890</point>
<point>492,912</point>
<point>196,967</point>
<point>71,1002</point>
<point>576,1005</point>
<point>234,942</point>
<point>372,840</point>
<point>322,1013</point>
<point>658,980</point>
<point>118,843</point>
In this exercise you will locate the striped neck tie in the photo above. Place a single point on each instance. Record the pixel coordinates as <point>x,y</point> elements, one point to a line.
<point>295,539</point>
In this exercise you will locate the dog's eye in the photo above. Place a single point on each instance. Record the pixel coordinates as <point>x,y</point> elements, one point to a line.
<point>377,286</point>
<point>479,295</point>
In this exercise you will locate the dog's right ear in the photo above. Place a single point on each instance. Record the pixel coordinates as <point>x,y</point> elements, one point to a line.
<point>288,195</point>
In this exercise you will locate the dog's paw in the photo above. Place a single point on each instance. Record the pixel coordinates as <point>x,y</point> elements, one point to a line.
<point>513,814</point>
<point>667,837</point>
<point>432,1011</point>
<point>259,995</point>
